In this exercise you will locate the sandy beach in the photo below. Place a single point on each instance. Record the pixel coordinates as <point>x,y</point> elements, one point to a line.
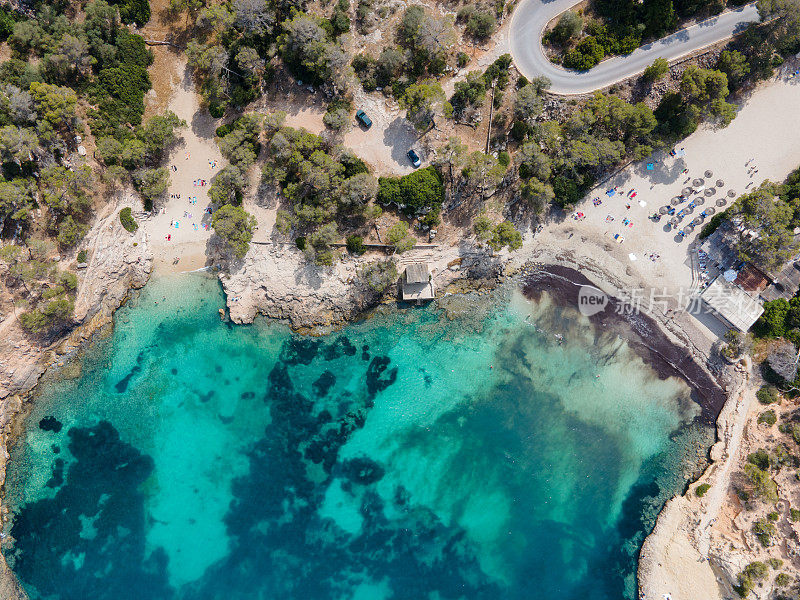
<point>762,133</point>
<point>761,143</point>
<point>275,280</point>
<point>180,227</point>
<point>675,557</point>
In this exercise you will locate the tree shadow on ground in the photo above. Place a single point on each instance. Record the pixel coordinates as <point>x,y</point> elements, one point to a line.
<point>399,136</point>
<point>663,172</point>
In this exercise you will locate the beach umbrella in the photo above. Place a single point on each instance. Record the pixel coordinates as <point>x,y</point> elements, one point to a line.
<point>675,201</point>
<point>663,210</point>
<point>731,193</point>
<point>720,183</point>
<point>697,182</point>
<point>697,221</point>
<point>686,191</point>
<point>709,173</point>
<point>699,201</point>
<point>722,202</point>
<point>711,210</point>
<point>688,229</point>
<point>711,191</point>
<point>674,221</point>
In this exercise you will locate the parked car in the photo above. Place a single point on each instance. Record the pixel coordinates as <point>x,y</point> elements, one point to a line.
<point>414,158</point>
<point>362,118</point>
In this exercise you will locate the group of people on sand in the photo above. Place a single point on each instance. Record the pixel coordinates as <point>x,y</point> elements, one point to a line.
<point>192,199</point>
<point>631,195</point>
<point>752,170</point>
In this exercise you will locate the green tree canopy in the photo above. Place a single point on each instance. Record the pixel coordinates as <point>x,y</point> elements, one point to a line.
<point>234,225</point>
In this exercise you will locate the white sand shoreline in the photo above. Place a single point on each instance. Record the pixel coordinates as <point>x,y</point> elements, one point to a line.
<point>275,280</point>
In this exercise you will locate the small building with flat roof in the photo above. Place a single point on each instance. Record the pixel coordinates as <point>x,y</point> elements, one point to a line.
<point>785,283</point>
<point>417,284</point>
<point>731,304</point>
<point>720,247</point>
<point>751,279</point>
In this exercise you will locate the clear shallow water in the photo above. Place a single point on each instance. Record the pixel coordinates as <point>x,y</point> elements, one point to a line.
<point>405,457</point>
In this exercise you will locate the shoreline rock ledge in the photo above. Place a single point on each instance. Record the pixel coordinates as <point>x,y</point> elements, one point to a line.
<point>118,262</point>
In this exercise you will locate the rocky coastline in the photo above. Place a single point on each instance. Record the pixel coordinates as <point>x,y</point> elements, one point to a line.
<point>275,281</point>
<point>118,262</point>
<point>677,552</point>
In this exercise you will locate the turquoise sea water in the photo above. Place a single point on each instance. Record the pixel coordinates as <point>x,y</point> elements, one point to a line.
<point>410,456</point>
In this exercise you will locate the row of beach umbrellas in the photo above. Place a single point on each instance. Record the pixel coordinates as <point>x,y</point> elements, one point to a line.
<point>698,186</point>
<point>697,220</point>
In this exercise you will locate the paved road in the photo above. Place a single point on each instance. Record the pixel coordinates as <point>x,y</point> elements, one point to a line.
<point>531,17</point>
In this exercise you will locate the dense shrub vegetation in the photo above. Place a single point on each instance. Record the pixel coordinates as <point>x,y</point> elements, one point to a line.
<point>701,489</point>
<point>127,220</point>
<point>768,417</point>
<point>379,275</point>
<point>67,62</point>
<point>418,194</point>
<point>424,47</point>
<point>234,41</point>
<point>234,225</point>
<point>750,576</point>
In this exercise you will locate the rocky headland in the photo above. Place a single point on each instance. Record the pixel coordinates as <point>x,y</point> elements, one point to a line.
<point>118,261</point>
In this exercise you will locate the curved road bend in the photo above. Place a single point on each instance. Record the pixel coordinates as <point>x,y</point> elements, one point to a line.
<point>531,17</point>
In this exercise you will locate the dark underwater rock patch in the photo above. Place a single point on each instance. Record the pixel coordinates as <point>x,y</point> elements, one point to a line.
<point>324,383</point>
<point>376,382</point>
<point>103,483</point>
<point>280,546</point>
<point>122,385</point>
<point>50,423</point>
<point>342,346</point>
<point>57,478</point>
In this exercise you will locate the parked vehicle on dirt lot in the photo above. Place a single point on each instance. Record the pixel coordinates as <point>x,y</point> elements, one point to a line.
<point>362,118</point>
